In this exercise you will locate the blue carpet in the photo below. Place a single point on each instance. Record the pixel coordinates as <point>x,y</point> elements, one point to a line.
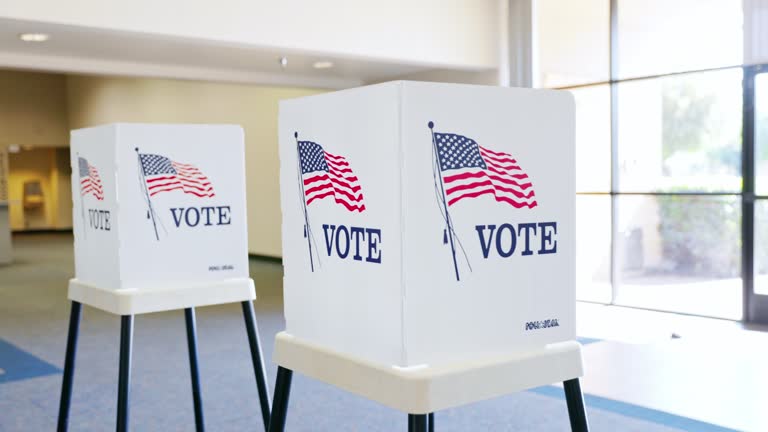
<point>635,411</point>
<point>17,364</point>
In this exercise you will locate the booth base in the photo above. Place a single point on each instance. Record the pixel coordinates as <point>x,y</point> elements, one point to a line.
<point>422,390</point>
<point>147,300</point>
<point>130,302</point>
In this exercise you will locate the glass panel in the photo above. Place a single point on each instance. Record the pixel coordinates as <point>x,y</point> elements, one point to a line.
<point>681,133</point>
<point>761,247</point>
<point>572,41</point>
<point>593,138</point>
<point>593,248</point>
<point>761,133</point>
<point>681,254</point>
<point>661,36</point>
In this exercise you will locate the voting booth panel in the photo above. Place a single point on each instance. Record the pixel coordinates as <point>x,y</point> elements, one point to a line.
<point>429,223</point>
<point>159,205</point>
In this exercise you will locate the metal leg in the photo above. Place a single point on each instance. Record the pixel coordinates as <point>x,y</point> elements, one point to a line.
<point>258,362</point>
<point>124,381</point>
<point>411,423</point>
<point>282,394</point>
<point>431,422</point>
<point>575,401</point>
<point>420,422</point>
<point>189,316</point>
<point>69,366</point>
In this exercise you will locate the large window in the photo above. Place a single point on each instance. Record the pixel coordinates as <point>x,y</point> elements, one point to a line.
<point>658,91</point>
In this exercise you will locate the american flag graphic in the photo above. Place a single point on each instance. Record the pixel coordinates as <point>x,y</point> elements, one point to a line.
<point>90,182</point>
<point>471,170</point>
<point>165,175</point>
<point>327,175</point>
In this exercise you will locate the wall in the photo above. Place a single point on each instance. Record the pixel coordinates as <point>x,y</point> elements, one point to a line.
<point>98,100</point>
<point>33,109</point>
<point>43,165</point>
<point>450,33</point>
<point>33,116</point>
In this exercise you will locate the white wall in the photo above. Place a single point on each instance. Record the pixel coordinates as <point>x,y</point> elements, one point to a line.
<point>447,33</point>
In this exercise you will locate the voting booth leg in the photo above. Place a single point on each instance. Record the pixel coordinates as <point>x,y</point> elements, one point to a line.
<point>418,422</point>
<point>189,317</point>
<point>258,362</point>
<point>576,411</point>
<point>69,366</point>
<point>280,401</point>
<point>124,380</point>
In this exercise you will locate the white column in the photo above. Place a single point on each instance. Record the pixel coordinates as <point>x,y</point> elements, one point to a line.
<point>520,37</point>
<point>755,31</point>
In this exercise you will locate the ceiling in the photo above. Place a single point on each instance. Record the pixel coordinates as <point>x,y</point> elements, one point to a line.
<point>96,51</point>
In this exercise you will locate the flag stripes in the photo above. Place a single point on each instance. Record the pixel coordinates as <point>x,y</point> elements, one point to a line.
<point>90,181</point>
<point>471,171</point>
<point>328,175</point>
<point>165,175</point>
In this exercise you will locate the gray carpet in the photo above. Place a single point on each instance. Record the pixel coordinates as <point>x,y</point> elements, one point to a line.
<point>34,314</point>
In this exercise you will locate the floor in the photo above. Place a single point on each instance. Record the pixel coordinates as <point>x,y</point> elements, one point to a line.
<point>646,371</point>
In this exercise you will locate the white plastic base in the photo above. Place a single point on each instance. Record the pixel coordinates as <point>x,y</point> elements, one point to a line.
<point>425,389</point>
<point>140,301</point>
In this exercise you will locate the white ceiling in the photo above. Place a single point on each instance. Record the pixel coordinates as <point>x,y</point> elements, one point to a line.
<point>96,51</point>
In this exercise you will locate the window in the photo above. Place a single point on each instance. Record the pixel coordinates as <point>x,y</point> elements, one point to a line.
<point>658,37</point>
<point>593,138</point>
<point>572,39</point>
<point>680,133</point>
<point>680,253</point>
<point>659,111</point>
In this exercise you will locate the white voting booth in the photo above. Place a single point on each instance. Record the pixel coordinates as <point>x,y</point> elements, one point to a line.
<point>428,244</point>
<point>160,224</point>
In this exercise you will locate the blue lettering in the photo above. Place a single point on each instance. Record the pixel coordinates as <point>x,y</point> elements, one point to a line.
<point>177,219</point>
<point>346,241</point>
<point>374,239</point>
<point>196,213</point>
<point>526,227</point>
<point>329,239</point>
<point>486,247</point>
<point>356,233</point>
<point>546,238</point>
<point>512,240</point>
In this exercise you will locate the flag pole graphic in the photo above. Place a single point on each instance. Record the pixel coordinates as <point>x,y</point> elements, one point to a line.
<point>146,191</point>
<point>444,199</point>
<point>82,197</point>
<point>304,203</point>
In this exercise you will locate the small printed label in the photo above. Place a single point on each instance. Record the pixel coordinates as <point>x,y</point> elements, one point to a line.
<point>537,325</point>
<point>225,267</point>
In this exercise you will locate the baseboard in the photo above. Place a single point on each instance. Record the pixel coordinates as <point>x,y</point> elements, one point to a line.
<point>267,258</point>
<point>43,231</point>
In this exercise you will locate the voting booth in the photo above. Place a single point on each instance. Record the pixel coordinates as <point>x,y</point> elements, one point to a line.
<point>180,217</point>
<point>428,229</point>
<point>159,217</point>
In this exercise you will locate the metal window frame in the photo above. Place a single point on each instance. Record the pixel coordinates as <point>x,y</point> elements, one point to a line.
<point>751,303</point>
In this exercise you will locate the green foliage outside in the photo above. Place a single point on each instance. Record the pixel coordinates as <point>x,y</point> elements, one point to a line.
<point>700,235</point>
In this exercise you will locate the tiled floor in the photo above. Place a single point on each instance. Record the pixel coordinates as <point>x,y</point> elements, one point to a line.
<point>714,371</point>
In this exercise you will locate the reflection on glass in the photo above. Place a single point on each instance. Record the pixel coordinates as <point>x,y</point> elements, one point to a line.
<point>681,133</point>
<point>661,36</point>
<point>761,247</point>
<point>761,133</point>
<point>681,254</point>
<point>593,138</point>
<point>593,248</point>
<point>572,39</point>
